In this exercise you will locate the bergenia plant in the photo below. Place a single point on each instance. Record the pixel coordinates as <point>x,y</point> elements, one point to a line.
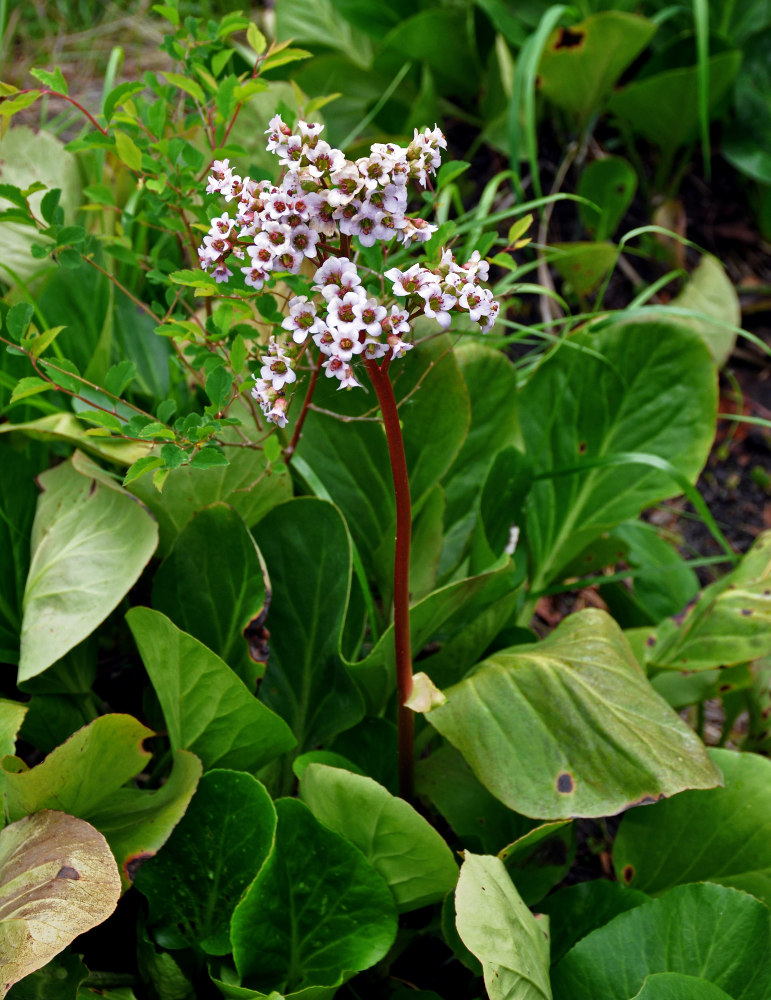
<point>357,321</point>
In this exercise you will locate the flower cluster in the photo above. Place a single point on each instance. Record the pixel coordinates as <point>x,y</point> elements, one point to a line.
<point>322,198</point>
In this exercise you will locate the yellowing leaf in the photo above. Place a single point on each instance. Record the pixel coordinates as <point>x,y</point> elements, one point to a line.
<point>128,151</point>
<point>58,879</point>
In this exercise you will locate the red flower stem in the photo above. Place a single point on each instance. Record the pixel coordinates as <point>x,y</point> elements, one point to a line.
<point>298,427</point>
<point>405,716</point>
<point>64,97</point>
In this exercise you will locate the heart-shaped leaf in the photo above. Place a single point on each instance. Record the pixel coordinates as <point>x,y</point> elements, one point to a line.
<point>197,880</point>
<point>541,725</point>
<point>707,931</point>
<point>58,879</point>
<point>316,912</point>
<point>398,842</point>
<point>497,927</point>
<point>207,708</point>
<point>665,845</point>
<point>75,579</point>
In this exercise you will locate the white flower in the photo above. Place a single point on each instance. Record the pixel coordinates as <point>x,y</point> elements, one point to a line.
<point>407,282</point>
<point>371,314</point>
<point>437,304</point>
<point>302,319</point>
<point>277,368</point>
<point>341,314</point>
<point>221,273</point>
<point>335,276</point>
<point>345,345</point>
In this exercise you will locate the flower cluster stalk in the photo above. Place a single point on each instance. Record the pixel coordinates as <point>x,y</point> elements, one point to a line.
<point>381,383</point>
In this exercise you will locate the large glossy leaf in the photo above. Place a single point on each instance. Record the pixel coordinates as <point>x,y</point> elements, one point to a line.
<point>137,822</point>
<point>461,617</point>
<point>316,911</point>
<point>710,291</point>
<point>18,495</point>
<point>245,483</point>
<point>721,835</point>
<point>580,65</point>
<point>664,107</point>
<point>729,623</point>
<point>212,584</point>
<point>90,542</point>
<point>197,880</point>
<point>57,880</point>
<point>350,458</point>
<point>497,927</point>
<point>81,773</point>
<point>747,142</point>
<point>491,383</point>
<point>707,931</point>
<point>645,387</point>
<point>307,550</point>
<point>571,727</point>
<point>478,819</point>
<point>84,776</point>
<point>207,708</point>
<point>540,858</point>
<point>676,986</point>
<point>11,717</point>
<point>28,155</point>
<point>58,980</point>
<point>577,910</point>
<point>398,842</point>
<point>66,427</point>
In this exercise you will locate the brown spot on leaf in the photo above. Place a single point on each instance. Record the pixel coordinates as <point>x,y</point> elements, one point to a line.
<point>134,863</point>
<point>567,39</point>
<point>582,447</point>
<point>726,687</point>
<point>650,641</point>
<point>565,783</point>
<point>747,611</point>
<point>628,874</point>
<point>766,712</point>
<point>66,872</point>
<point>646,800</point>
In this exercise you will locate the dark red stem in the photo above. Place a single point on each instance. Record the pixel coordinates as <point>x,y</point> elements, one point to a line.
<point>405,718</point>
<point>65,97</point>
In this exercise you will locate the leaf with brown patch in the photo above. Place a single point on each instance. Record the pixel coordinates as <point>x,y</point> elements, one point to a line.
<point>58,879</point>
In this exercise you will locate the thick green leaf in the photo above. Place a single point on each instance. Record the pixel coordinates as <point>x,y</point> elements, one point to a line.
<point>463,617</point>
<point>11,717</point>
<point>28,155</point>
<point>580,65</point>
<point>710,291</point>
<point>58,980</point>
<point>491,382</point>
<point>245,484</point>
<point>707,931</point>
<point>584,265</point>
<point>90,542</point>
<point>497,927</point>
<point>18,495</point>
<point>315,22</point>
<point>81,773</point>
<point>58,879</point>
<point>478,819</point>
<point>316,912</point>
<point>398,842</point>
<point>729,623</point>
<point>571,727</point>
<point>610,184</point>
<point>652,389</point>
<point>306,682</point>
<point>66,427</point>
<point>580,909</point>
<point>350,458</point>
<point>721,835</point>
<point>676,986</point>
<point>215,547</point>
<point>197,880</point>
<point>137,823</point>
<point>664,107</point>
<point>747,140</point>
<point>207,708</point>
<point>540,858</point>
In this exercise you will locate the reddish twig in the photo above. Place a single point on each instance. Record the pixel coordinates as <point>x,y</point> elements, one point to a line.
<point>298,427</point>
